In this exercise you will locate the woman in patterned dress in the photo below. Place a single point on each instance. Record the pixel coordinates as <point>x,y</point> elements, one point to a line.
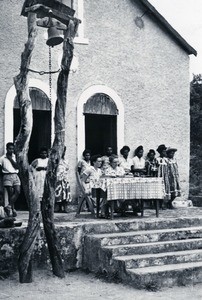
<point>173,175</point>
<point>105,158</point>
<point>62,191</point>
<point>84,163</point>
<point>151,164</point>
<point>91,175</point>
<point>163,172</point>
<point>113,169</point>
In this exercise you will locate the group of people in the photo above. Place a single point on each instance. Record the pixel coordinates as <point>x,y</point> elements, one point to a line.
<point>9,170</point>
<point>62,190</point>
<point>91,168</point>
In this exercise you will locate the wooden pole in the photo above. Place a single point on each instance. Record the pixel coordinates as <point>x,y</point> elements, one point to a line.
<point>22,147</point>
<point>57,151</point>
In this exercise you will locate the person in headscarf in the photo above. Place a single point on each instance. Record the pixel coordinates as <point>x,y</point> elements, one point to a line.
<point>151,164</point>
<point>173,175</point>
<point>163,172</point>
<point>138,166</point>
<point>124,161</point>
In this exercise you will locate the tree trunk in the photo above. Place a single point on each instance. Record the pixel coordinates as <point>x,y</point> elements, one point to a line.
<point>22,147</point>
<point>57,151</point>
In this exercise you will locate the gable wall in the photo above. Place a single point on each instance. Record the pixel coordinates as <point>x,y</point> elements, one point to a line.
<point>145,67</point>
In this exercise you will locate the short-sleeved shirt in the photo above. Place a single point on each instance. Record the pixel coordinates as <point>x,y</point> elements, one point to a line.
<point>83,165</point>
<point>105,162</point>
<point>7,167</point>
<point>40,162</point>
<point>93,174</point>
<point>138,163</point>
<point>125,163</point>
<point>118,171</point>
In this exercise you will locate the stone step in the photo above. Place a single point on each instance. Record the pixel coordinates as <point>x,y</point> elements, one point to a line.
<point>168,275</point>
<point>137,224</point>
<point>132,237</point>
<point>157,259</point>
<point>155,247</point>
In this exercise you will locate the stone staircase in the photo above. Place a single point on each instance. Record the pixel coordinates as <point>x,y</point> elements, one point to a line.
<point>151,255</point>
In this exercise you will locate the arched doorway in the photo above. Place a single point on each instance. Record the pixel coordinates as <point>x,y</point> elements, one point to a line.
<point>100,123</point>
<point>110,111</point>
<point>41,131</point>
<point>42,106</point>
<point>9,104</point>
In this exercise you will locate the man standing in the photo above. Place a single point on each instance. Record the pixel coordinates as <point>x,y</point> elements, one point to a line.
<point>11,181</point>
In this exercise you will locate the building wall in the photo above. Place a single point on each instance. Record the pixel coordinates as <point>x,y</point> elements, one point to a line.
<point>145,67</point>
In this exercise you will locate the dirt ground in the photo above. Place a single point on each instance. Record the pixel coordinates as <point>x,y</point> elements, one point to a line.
<point>79,286</point>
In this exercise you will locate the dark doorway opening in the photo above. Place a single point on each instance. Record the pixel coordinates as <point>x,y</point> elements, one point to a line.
<point>41,130</point>
<point>100,132</point>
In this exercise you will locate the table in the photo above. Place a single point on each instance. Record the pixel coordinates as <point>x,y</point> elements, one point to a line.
<point>134,188</point>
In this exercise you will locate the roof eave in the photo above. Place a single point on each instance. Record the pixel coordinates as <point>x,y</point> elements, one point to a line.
<point>178,38</point>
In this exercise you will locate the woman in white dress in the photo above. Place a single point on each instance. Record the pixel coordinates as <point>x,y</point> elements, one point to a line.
<point>39,167</point>
<point>124,161</point>
<point>138,166</point>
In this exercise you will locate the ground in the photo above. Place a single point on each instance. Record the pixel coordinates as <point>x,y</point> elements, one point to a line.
<point>148,214</point>
<point>80,286</point>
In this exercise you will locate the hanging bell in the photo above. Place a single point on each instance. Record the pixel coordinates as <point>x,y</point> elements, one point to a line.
<point>54,37</point>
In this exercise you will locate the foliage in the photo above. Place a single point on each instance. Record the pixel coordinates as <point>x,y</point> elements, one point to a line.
<point>196,135</point>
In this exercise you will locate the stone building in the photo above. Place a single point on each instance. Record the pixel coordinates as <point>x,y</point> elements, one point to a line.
<point>129,83</point>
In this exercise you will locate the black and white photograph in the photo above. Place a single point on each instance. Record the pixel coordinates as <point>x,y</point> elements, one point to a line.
<point>100,149</point>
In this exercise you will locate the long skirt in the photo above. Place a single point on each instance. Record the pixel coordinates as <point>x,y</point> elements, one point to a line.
<point>173,177</point>
<point>163,172</point>
<point>62,191</point>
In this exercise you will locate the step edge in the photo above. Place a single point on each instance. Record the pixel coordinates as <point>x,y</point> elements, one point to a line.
<point>153,243</point>
<point>153,255</point>
<point>164,268</point>
<point>134,233</point>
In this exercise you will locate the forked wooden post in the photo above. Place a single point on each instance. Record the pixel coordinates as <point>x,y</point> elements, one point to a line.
<point>57,150</point>
<point>22,144</point>
<point>22,147</point>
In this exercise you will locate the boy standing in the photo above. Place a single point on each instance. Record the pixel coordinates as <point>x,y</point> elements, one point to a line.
<point>11,181</point>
